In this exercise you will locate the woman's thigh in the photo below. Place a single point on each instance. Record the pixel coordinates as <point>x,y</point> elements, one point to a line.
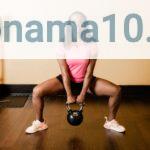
<point>49,87</point>
<point>102,87</point>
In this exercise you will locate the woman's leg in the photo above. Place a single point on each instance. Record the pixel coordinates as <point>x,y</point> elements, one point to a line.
<point>48,87</point>
<point>103,87</point>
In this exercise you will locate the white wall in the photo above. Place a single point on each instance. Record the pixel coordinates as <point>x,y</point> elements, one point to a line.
<point>43,10</point>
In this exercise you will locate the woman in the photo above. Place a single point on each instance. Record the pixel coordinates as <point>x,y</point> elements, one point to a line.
<point>76,74</point>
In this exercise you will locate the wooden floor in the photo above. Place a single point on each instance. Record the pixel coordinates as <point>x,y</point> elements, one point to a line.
<point>90,135</point>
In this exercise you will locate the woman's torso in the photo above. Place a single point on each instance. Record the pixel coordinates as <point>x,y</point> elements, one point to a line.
<point>77,69</point>
<point>77,57</point>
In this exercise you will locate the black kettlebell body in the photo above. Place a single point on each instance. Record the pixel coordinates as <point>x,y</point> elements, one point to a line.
<point>74,117</point>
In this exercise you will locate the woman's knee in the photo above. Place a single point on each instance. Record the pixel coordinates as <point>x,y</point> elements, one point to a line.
<point>116,90</point>
<point>37,91</point>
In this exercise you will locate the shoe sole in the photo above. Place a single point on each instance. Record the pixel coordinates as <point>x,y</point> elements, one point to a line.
<point>37,130</point>
<point>113,129</point>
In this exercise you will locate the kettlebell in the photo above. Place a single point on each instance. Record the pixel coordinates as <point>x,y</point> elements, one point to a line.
<point>74,117</point>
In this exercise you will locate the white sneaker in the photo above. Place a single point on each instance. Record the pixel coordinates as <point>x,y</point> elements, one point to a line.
<point>36,126</point>
<point>114,125</point>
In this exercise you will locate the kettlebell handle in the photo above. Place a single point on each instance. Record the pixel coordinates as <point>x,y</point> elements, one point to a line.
<point>80,105</point>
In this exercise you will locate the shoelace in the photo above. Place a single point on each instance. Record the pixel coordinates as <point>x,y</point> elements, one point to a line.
<point>113,122</point>
<point>35,124</point>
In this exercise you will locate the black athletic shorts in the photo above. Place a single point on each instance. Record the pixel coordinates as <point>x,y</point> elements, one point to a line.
<point>76,87</point>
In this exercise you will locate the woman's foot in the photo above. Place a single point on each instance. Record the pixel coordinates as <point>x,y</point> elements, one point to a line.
<point>114,125</point>
<point>36,126</point>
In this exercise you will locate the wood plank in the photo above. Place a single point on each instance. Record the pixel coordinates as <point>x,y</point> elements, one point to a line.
<point>134,114</point>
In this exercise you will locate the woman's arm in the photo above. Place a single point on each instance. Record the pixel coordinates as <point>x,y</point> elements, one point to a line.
<point>66,80</point>
<point>87,80</point>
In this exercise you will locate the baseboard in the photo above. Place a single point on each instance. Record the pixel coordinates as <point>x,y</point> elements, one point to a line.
<point>16,89</point>
<point>26,89</point>
<point>137,91</point>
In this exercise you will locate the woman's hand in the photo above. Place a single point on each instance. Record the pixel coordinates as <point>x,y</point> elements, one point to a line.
<point>71,99</point>
<point>80,98</point>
